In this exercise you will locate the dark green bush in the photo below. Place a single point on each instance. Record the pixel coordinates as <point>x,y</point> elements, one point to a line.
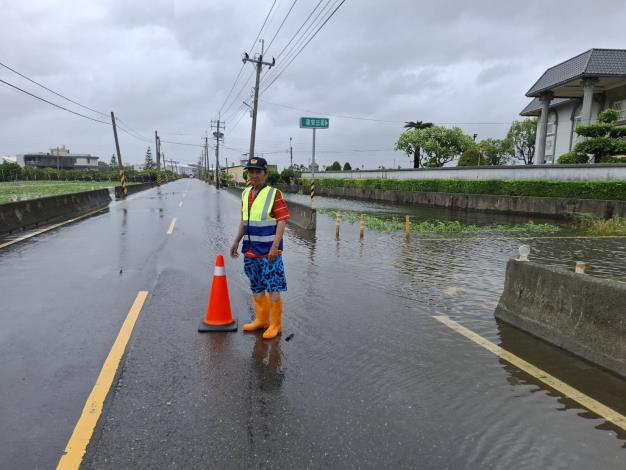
<point>571,158</point>
<point>594,130</point>
<point>614,190</point>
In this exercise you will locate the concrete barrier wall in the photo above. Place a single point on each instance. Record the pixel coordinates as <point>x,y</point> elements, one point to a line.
<point>300,214</point>
<point>132,189</point>
<point>16,216</point>
<point>577,312</point>
<point>516,205</point>
<point>592,172</point>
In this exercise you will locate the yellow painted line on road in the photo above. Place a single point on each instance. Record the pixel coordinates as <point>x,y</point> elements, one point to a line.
<point>170,230</point>
<point>570,392</point>
<point>77,445</point>
<point>51,227</point>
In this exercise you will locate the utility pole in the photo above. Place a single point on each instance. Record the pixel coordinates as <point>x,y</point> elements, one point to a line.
<point>218,136</point>
<point>157,144</point>
<point>259,65</point>
<point>290,154</point>
<point>120,167</point>
<point>206,158</point>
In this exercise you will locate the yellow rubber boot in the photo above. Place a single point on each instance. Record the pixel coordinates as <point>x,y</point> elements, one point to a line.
<point>276,311</point>
<point>262,310</point>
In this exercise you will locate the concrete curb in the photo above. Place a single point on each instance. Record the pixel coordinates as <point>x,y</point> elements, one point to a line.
<point>132,189</point>
<point>21,215</point>
<point>515,205</point>
<point>577,312</point>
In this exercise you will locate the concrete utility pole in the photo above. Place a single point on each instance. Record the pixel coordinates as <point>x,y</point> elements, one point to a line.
<point>290,154</point>
<point>206,157</point>
<point>218,136</point>
<point>157,144</point>
<point>120,167</point>
<point>259,65</point>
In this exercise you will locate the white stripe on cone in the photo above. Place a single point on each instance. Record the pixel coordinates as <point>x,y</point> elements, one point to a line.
<point>219,271</point>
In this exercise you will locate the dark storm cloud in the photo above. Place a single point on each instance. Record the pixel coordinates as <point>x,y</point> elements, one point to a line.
<point>169,65</point>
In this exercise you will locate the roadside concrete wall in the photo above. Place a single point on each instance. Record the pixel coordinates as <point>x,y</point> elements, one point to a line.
<point>594,172</point>
<point>516,205</point>
<point>301,215</point>
<point>16,216</point>
<point>132,189</point>
<point>577,312</point>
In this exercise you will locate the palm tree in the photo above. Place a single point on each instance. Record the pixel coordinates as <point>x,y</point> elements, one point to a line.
<point>417,125</point>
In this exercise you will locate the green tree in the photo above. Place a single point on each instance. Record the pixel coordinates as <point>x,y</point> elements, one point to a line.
<point>416,152</point>
<point>148,163</point>
<point>471,157</point>
<point>336,166</point>
<point>287,175</point>
<point>10,171</point>
<point>495,151</point>
<point>520,140</point>
<point>440,145</point>
<point>273,178</point>
<point>603,140</point>
<point>347,166</point>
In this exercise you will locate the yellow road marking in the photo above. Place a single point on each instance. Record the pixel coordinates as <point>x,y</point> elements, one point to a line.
<point>570,392</point>
<point>180,204</point>
<point>171,228</point>
<point>51,227</point>
<point>77,445</point>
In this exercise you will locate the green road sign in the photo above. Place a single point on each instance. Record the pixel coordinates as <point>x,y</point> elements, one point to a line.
<point>314,123</point>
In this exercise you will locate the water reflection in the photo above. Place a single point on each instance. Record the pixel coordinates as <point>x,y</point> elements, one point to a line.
<point>267,361</point>
<point>580,374</point>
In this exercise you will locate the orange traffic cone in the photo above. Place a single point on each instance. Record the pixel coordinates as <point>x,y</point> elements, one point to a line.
<point>218,315</point>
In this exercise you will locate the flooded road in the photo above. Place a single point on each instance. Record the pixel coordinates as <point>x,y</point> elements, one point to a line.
<point>363,376</point>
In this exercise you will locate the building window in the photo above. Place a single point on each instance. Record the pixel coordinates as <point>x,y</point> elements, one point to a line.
<point>551,132</point>
<point>576,121</point>
<point>620,107</point>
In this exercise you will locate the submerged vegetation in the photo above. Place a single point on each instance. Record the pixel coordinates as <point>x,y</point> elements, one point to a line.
<point>397,224</point>
<point>602,227</point>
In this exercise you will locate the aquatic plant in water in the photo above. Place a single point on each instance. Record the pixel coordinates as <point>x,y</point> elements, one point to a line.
<point>397,224</point>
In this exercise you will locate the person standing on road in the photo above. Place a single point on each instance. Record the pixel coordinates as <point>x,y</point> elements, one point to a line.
<point>263,218</point>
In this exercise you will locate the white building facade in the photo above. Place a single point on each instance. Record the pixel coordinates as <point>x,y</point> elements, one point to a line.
<point>573,93</point>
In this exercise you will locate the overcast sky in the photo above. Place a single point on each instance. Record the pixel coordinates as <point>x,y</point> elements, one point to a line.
<point>169,65</point>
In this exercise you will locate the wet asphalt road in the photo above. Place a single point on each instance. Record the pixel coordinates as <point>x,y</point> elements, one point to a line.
<point>368,379</point>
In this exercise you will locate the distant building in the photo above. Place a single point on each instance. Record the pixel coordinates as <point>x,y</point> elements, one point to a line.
<point>572,93</point>
<point>59,157</point>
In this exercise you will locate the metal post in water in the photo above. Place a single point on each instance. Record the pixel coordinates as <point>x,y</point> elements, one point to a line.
<point>407,226</point>
<point>361,226</point>
<point>337,225</point>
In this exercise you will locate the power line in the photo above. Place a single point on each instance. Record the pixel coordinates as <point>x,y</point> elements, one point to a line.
<point>289,53</point>
<point>243,65</point>
<point>281,25</point>
<point>52,91</point>
<point>306,44</point>
<point>54,104</point>
<point>332,115</point>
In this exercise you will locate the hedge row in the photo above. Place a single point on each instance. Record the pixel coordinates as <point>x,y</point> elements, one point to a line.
<point>613,190</point>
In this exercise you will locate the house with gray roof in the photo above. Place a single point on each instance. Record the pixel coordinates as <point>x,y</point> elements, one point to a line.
<point>572,93</point>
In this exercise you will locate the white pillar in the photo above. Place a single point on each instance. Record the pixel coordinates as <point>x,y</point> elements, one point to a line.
<point>585,112</point>
<point>542,128</point>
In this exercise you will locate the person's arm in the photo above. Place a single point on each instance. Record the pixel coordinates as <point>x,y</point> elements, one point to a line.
<point>280,229</point>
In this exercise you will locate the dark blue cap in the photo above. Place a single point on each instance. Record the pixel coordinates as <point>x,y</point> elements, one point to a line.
<point>257,162</point>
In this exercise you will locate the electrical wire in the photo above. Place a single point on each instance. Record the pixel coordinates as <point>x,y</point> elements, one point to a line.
<point>251,48</point>
<point>281,25</point>
<point>54,104</point>
<point>306,44</point>
<point>52,91</point>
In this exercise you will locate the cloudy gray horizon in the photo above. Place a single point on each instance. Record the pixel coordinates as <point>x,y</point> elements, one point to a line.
<point>169,65</point>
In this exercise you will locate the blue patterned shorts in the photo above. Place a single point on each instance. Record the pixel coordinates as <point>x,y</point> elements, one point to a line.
<point>265,276</point>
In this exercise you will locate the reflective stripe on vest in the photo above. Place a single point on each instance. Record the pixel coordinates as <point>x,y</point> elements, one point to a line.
<point>259,225</point>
